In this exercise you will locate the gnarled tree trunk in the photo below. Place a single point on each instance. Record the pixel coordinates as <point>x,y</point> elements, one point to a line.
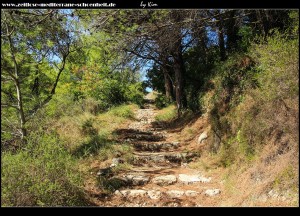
<point>179,69</point>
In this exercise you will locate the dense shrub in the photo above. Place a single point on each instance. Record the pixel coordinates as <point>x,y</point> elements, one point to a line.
<point>87,127</point>
<point>161,101</point>
<point>272,108</point>
<point>135,93</point>
<point>62,105</point>
<point>112,92</point>
<point>92,106</point>
<point>42,174</point>
<point>256,102</point>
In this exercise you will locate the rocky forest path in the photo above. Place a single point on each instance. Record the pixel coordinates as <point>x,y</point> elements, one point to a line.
<point>159,175</point>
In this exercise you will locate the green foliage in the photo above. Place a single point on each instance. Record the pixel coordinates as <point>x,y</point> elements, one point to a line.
<point>92,106</point>
<point>278,62</point>
<point>294,25</point>
<point>199,70</point>
<point>161,101</point>
<point>246,34</point>
<point>135,93</point>
<point>62,105</point>
<point>124,111</point>
<point>155,79</point>
<point>42,174</point>
<point>166,114</point>
<point>277,93</point>
<point>87,128</point>
<point>97,132</point>
<point>256,101</point>
<point>95,75</point>
<point>287,178</point>
<point>266,109</point>
<point>235,149</point>
<point>93,145</point>
<point>227,154</point>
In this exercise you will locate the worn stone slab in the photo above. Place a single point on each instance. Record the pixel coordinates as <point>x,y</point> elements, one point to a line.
<point>136,179</point>
<point>133,193</point>
<point>154,194</point>
<point>191,193</point>
<point>164,180</point>
<point>191,179</point>
<point>212,192</point>
<point>175,193</point>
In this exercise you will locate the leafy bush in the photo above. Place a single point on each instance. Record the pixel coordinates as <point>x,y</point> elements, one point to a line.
<point>42,174</point>
<point>62,105</point>
<point>258,104</point>
<point>162,101</point>
<point>92,106</point>
<point>113,92</point>
<point>135,93</point>
<point>87,128</point>
<point>278,91</point>
<point>246,34</point>
<point>279,65</point>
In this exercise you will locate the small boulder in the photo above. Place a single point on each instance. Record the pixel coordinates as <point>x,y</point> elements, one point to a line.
<point>116,162</point>
<point>202,137</point>
<point>190,179</point>
<point>175,193</point>
<point>133,193</point>
<point>137,193</point>
<point>153,194</point>
<point>107,172</point>
<point>118,193</point>
<point>212,192</point>
<point>164,180</point>
<point>191,193</point>
<point>136,179</point>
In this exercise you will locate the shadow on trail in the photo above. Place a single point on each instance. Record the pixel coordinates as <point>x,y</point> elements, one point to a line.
<point>177,124</point>
<point>137,135</point>
<point>92,146</point>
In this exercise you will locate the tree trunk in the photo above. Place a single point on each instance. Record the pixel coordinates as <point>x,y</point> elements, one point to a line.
<point>221,43</point>
<point>260,20</point>
<point>168,85</point>
<point>179,69</point>
<point>167,77</point>
<point>18,89</point>
<point>232,31</point>
<point>36,84</point>
<point>20,109</point>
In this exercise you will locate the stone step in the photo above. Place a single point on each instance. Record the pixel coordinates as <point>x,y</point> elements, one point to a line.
<point>155,147</point>
<point>132,131</point>
<point>191,179</point>
<point>212,192</point>
<point>159,158</point>
<point>134,179</point>
<point>152,169</point>
<point>180,193</point>
<point>164,180</point>
<point>139,179</point>
<point>144,137</point>
<point>132,194</point>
